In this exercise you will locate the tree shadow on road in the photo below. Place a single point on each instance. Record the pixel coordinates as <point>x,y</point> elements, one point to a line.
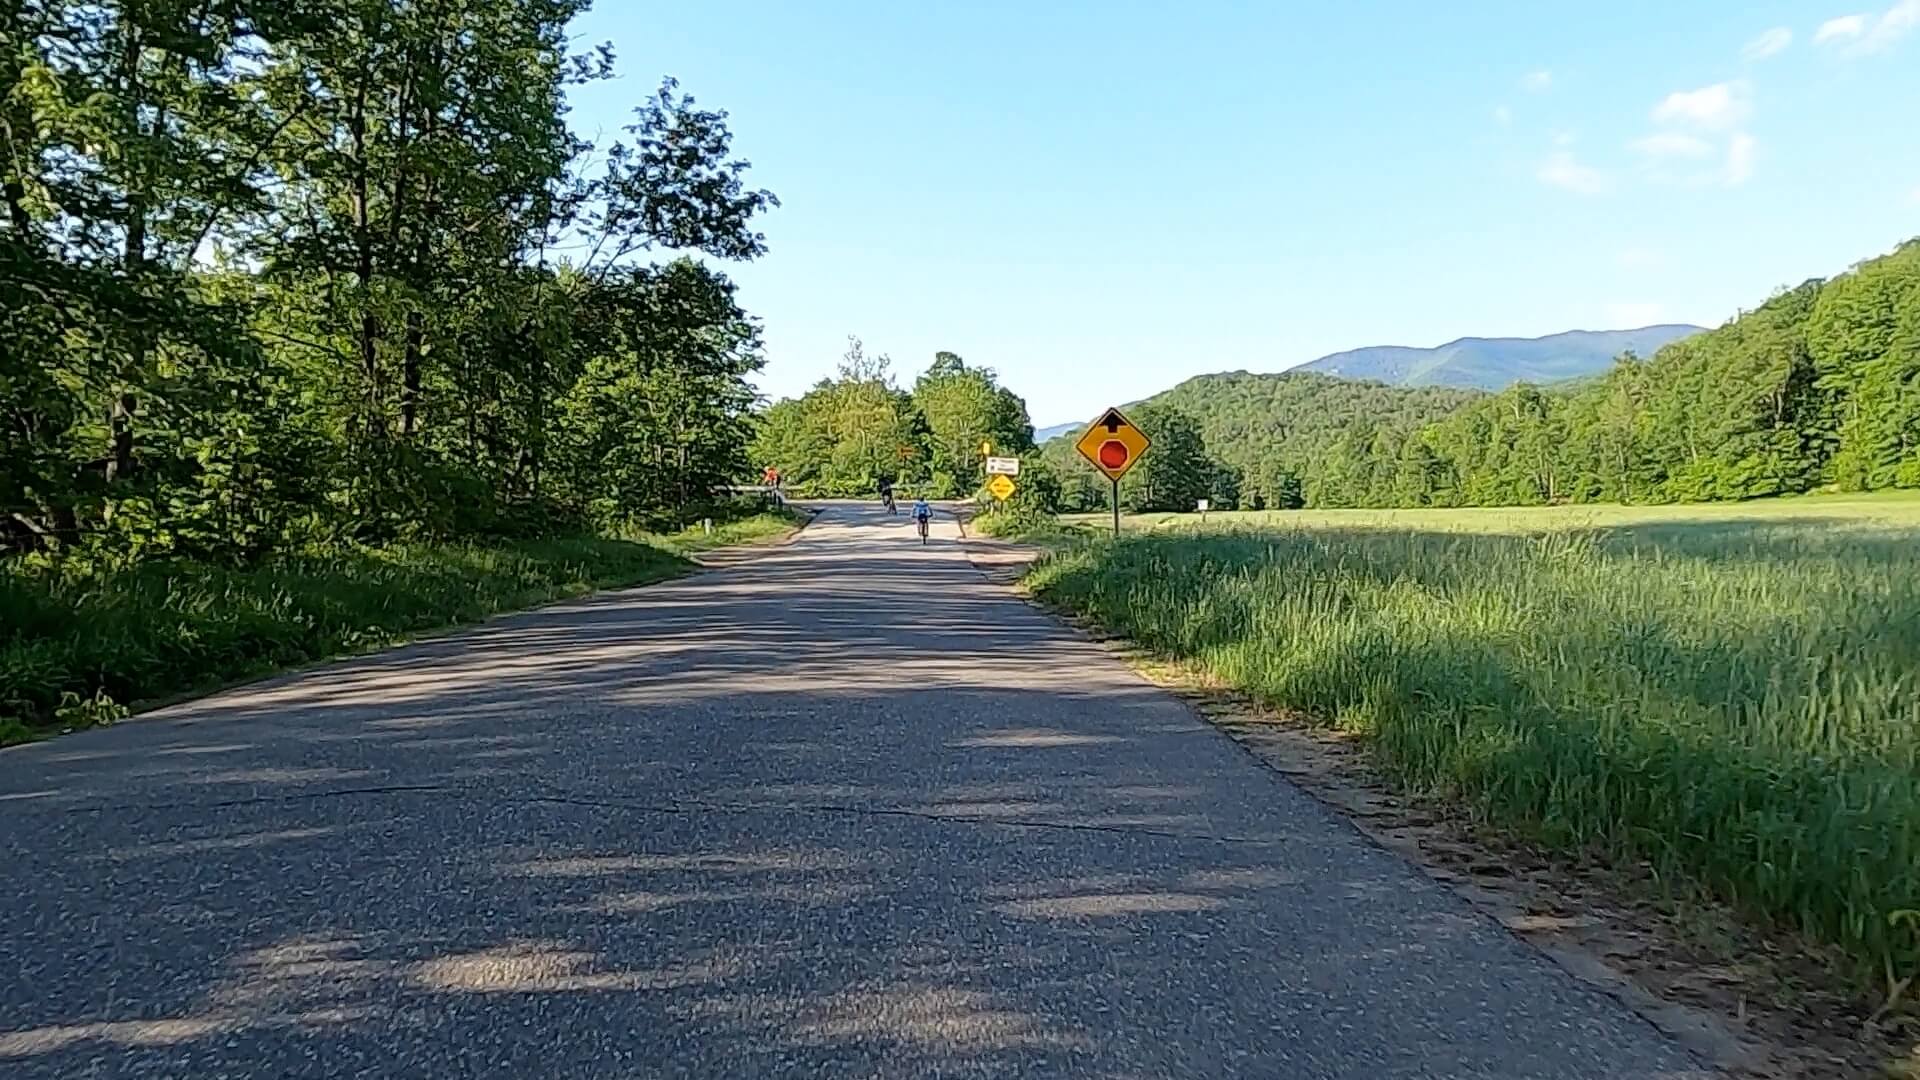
<point>770,821</point>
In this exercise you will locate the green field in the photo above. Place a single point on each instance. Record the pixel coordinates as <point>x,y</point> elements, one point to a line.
<point>79,643</point>
<point>1729,693</point>
<point>1898,509</point>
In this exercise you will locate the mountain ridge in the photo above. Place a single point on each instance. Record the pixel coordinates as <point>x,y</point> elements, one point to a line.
<point>1476,363</point>
<point>1495,363</point>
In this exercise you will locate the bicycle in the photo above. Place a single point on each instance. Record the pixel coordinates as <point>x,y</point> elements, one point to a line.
<point>921,524</point>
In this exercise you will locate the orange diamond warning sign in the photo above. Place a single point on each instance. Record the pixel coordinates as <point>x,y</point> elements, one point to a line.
<point>1113,444</point>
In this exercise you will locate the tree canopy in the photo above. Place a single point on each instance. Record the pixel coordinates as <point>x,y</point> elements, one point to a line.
<point>850,432</point>
<point>277,271</point>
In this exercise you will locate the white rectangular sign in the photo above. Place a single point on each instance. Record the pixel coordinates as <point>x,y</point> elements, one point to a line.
<point>1003,466</point>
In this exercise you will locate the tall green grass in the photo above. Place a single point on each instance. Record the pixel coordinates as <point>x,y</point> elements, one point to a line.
<point>79,642</point>
<point>1736,703</point>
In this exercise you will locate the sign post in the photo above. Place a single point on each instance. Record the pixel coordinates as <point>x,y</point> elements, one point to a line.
<point>1113,445</point>
<point>1000,486</point>
<point>1003,466</point>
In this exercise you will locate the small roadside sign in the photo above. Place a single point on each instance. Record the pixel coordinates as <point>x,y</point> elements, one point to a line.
<point>1003,466</point>
<point>1113,444</point>
<point>1000,486</point>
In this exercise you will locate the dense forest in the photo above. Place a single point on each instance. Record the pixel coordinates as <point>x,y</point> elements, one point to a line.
<point>1815,388</point>
<point>850,432</point>
<point>283,272</point>
<point>1262,437</point>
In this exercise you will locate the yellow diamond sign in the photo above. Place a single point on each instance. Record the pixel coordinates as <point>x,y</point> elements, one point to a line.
<point>1113,444</point>
<point>1000,486</point>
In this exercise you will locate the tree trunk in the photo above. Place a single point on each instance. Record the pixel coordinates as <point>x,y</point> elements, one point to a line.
<point>120,411</point>
<point>410,375</point>
<point>66,525</point>
<point>16,196</point>
<point>120,423</point>
<point>469,398</point>
<point>363,263</point>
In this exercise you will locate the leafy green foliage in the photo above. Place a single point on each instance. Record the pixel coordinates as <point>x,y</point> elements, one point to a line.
<point>290,356</point>
<point>1013,521</point>
<point>847,434</point>
<point>964,409</point>
<point>1269,435</point>
<point>1176,472</point>
<point>275,274</point>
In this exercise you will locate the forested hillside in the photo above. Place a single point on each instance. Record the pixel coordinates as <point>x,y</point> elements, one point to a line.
<point>1271,432</point>
<point>1813,388</point>
<point>1816,387</point>
<point>278,272</point>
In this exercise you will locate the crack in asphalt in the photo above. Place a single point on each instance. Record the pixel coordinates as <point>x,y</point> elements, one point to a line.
<point>681,807</point>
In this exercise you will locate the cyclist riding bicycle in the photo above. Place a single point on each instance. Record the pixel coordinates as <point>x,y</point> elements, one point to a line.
<point>886,496</point>
<point>922,514</point>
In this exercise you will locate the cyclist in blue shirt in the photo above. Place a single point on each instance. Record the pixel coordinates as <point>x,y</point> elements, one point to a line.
<point>922,514</point>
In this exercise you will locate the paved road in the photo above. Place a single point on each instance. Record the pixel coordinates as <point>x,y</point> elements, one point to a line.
<point>844,810</point>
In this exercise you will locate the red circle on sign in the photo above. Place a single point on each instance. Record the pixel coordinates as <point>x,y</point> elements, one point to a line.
<point>1114,453</point>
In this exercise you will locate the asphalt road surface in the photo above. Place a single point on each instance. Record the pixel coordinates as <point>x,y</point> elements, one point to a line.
<point>843,810</point>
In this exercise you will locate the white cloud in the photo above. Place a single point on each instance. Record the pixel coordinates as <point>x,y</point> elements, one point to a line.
<point>1563,138</point>
<point>1899,21</point>
<point>1721,105</point>
<point>1844,28</point>
<point>1562,171</point>
<point>1914,196</point>
<point>1871,33</point>
<point>1680,159</point>
<point>1634,315</point>
<point>1740,150</point>
<point>1503,116</point>
<point>1772,43</point>
<point>1636,258</point>
<point>1674,144</point>
<point>1538,82</point>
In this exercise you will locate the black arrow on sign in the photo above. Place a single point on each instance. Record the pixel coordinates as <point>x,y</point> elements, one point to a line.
<point>1112,421</point>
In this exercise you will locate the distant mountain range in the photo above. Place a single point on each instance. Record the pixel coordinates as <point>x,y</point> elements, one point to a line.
<point>1497,363</point>
<point>1483,363</point>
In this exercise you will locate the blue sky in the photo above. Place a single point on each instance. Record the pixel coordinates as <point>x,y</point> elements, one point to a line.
<point>1101,199</point>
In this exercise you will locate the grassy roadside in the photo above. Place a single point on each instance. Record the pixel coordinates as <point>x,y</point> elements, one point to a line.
<point>754,529</point>
<point>1729,702</point>
<point>78,646</point>
<point>1020,526</point>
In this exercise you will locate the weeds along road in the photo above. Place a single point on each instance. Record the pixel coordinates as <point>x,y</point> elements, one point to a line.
<point>841,810</point>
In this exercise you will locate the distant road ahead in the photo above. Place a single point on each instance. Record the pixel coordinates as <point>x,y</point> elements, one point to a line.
<point>842,810</point>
